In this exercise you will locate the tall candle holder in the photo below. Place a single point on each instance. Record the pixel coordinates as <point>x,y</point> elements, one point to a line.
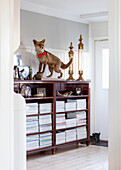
<point>80,48</point>
<point>70,72</point>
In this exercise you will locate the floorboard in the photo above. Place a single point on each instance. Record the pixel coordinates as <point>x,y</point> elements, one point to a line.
<point>77,158</point>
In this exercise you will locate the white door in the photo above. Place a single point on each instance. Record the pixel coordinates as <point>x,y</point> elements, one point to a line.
<point>101,88</point>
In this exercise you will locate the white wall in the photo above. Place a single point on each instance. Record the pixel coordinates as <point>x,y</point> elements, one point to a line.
<point>57,32</point>
<point>97,31</point>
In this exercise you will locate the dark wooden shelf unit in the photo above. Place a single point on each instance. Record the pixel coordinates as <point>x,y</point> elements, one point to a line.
<point>72,111</point>
<point>37,133</point>
<point>68,128</point>
<point>51,87</point>
<point>39,114</point>
<point>37,98</point>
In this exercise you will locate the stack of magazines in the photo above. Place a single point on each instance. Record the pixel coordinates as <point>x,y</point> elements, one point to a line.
<point>32,108</point>
<point>32,124</point>
<point>45,140</point>
<point>45,122</point>
<point>69,106</point>
<point>45,108</point>
<point>60,121</point>
<point>81,118</point>
<point>80,103</point>
<point>81,133</point>
<point>70,122</point>
<point>70,135</point>
<point>60,137</point>
<point>60,106</point>
<point>32,142</point>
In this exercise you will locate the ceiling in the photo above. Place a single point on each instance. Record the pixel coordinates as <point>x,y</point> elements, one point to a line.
<point>85,11</point>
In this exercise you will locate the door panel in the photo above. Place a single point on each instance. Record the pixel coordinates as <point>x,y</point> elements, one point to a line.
<point>101,88</point>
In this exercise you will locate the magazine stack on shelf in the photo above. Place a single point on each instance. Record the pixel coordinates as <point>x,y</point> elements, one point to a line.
<point>45,140</point>
<point>60,137</point>
<point>81,133</point>
<point>81,104</point>
<point>70,135</point>
<point>32,124</point>
<point>70,106</point>
<point>60,106</point>
<point>32,142</point>
<point>45,123</point>
<point>60,121</point>
<point>81,118</point>
<point>45,108</point>
<point>31,108</point>
<point>70,122</point>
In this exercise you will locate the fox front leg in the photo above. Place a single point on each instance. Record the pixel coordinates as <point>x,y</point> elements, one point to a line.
<point>40,68</point>
<point>45,64</point>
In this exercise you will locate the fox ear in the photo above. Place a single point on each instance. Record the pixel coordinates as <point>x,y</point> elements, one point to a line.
<point>43,40</point>
<point>34,41</point>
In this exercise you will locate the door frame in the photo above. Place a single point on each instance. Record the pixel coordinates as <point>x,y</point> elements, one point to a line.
<point>92,42</point>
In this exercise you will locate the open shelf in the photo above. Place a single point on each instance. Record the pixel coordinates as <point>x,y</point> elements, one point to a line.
<point>37,98</point>
<point>39,114</point>
<point>71,97</point>
<point>73,111</point>
<point>68,128</point>
<point>40,149</point>
<point>37,133</point>
<point>75,141</point>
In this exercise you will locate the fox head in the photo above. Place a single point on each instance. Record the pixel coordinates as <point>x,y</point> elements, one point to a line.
<point>39,46</point>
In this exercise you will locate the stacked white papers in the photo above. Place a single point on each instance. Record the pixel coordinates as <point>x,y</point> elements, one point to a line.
<point>32,124</point>
<point>60,121</point>
<point>31,108</point>
<point>70,122</point>
<point>45,123</point>
<point>81,133</point>
<point>81,118</point>
<point>45,140</point>
<point>70,106</point>
<point>70,135</point>
<point>60,137</point>
<point>45,108</point>
<point>60,106</point>
<point>81,104</point>
<point>32,142</point>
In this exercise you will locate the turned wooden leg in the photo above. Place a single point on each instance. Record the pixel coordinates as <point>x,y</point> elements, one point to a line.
<point>87,143</point>
<point>53,151</point>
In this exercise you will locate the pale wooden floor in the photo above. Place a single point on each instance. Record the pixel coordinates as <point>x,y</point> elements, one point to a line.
<point>76,158</point>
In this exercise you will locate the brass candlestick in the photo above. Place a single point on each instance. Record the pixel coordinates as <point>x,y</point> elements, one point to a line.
<point>70,72</point>
<point>80,48</point>
<point>80,76</point>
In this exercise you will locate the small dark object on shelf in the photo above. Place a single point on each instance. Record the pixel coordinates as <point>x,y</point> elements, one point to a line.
<point>26,91</point>
<point>65,94</point>
<point>78,91</point>
<point>38,76</point>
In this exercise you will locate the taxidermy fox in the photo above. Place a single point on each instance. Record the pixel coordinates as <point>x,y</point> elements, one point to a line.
<point>46,58</point>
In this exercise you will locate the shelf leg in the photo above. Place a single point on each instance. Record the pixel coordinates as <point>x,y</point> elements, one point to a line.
<point>53,151</point>
<point>87,143</point>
